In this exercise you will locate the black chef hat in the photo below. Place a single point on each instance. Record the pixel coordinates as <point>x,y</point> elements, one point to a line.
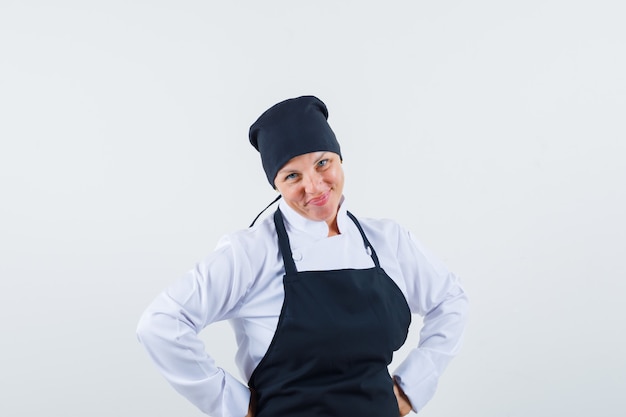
<point>290,128</point>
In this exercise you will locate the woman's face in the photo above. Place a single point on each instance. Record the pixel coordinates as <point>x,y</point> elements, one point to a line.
<point>312,185</point>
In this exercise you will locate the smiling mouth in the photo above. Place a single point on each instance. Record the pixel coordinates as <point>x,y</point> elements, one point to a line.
<point>321,200</point>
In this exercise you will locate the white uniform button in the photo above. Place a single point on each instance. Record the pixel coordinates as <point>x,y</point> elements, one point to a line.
<point>369,251</point>
<point>297,256</point>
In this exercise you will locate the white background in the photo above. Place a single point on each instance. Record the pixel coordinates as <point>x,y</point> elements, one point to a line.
<point>494,130</point>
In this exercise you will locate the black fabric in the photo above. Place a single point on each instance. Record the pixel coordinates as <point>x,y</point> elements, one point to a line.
<point>290,128</point>
<point>336,336</point>
<point>262,211</point>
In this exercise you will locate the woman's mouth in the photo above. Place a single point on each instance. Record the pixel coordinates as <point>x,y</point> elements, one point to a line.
<point>321,200</point>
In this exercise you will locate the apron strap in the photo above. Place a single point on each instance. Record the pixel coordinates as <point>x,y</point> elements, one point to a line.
<point>283,243</point>
<point>368,246</point>
<point>285,247</point>
<point>266,207</point>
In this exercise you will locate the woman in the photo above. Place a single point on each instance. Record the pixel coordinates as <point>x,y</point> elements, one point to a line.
<point>318,299</point>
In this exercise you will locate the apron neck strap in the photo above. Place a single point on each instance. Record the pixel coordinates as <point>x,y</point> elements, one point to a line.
<point>285,247</point>
<point>283,243</point>
<point>368,246</point>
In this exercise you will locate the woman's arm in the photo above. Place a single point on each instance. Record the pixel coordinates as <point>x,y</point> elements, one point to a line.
<point>436,294</point>
<point>169,329</point>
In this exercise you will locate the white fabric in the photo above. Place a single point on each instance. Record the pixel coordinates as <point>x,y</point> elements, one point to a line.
<point>242,282</point>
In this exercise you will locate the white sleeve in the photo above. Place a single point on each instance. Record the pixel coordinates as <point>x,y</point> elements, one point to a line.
<point>169,329</point>
<point>436,294</point>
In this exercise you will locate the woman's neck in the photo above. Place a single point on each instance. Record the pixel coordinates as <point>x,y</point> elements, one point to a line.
<point>333,228</point>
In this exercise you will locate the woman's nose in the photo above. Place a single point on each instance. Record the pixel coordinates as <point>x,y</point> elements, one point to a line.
<point>314,183</point>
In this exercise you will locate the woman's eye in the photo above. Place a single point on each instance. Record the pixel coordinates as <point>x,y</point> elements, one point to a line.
<point>291,176</point>
<point>323,162</point>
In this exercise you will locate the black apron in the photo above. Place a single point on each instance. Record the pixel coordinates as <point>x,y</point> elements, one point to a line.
<point>336,335</point>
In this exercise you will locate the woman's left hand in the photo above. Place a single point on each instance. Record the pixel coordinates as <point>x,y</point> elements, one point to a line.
<point>252,404</point>
<point>404,404</point>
